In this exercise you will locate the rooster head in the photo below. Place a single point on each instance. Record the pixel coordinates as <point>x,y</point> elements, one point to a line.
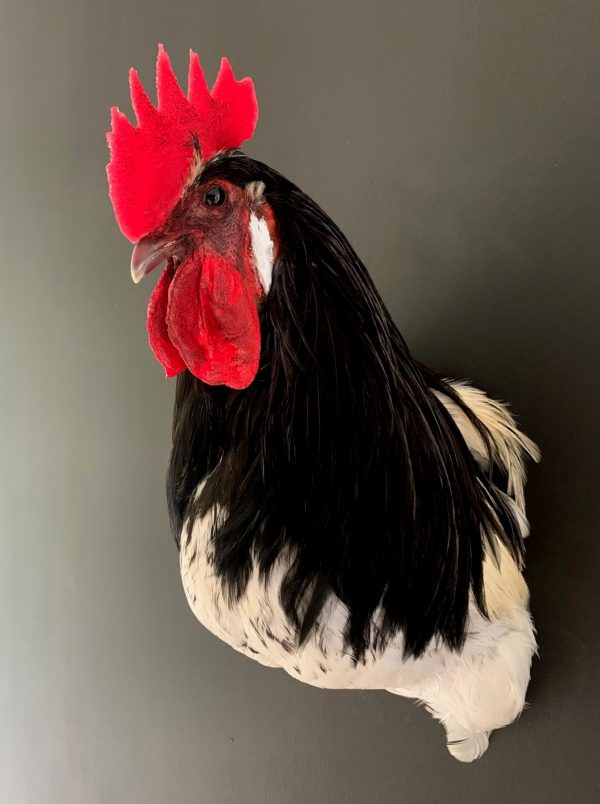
<point>215,238</point>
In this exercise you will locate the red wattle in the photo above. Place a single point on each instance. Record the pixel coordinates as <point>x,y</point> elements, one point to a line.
<point>160,343</point>
<point>204,317</point>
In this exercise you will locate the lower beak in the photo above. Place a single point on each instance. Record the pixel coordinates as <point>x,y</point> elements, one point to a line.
<point>148,254</point>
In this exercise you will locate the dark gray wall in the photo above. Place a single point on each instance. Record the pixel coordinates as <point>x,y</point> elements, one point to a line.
<point>457,144</point>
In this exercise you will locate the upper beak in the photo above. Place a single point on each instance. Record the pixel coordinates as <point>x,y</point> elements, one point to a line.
<point>148,254</point>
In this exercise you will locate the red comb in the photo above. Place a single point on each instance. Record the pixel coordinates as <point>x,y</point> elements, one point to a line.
<point>150,163</point>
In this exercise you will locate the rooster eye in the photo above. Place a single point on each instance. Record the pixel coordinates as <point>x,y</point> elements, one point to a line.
<point>214,197</point>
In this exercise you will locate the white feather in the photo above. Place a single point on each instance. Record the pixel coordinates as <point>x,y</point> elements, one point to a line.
<point>262,250</point>
<point>509,444</point>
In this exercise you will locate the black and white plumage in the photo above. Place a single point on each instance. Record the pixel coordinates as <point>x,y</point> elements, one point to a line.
<point>350,516</point>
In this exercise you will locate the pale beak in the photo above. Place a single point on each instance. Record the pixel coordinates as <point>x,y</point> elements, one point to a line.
<point>148,254</point>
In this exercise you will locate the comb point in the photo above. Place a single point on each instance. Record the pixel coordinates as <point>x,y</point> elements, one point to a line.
<point>197,87</point>
<point>141,103</point>
<point>168,92</point>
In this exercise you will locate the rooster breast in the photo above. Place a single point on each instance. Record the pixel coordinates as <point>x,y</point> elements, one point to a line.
<point>257,626</point>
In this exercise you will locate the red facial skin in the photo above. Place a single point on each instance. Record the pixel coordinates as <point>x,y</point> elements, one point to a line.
<point>203,312</point>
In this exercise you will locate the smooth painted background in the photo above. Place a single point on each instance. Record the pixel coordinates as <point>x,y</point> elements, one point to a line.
<point>457,144</point>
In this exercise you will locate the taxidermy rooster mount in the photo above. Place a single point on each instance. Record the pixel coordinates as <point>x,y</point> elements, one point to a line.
<point>341,511</point>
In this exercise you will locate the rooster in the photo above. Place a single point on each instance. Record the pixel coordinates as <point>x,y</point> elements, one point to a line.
<point>341,511</point>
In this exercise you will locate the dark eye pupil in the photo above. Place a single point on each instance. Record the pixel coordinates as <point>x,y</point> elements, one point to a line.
<point>214,197</point>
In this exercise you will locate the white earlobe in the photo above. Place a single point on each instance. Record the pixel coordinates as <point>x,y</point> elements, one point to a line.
<point>262,250</point>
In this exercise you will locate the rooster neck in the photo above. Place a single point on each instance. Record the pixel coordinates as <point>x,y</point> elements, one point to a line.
<point>338,452</point>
